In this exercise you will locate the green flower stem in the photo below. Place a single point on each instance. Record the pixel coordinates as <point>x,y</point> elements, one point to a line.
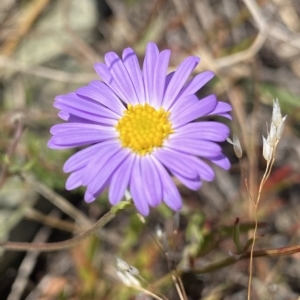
<point>44,247</point>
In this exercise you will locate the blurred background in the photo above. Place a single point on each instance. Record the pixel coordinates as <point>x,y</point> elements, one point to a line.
<point>48,47</point>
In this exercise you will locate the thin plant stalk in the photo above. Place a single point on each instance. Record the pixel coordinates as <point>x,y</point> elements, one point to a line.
<point>141,289</point>
<point>231,260</point>
<point>47,247</point>
<point>263,181</point>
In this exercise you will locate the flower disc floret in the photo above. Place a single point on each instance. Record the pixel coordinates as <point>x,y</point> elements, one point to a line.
<point>143,128</point>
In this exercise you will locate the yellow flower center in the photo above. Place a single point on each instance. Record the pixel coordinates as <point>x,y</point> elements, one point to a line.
<point>142,128</point>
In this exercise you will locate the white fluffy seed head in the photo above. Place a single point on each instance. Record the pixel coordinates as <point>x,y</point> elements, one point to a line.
<point>127,273</point>
<point>134,271</point>
<point>272,137</point>
<point>229,141</point>
<point>122,265</point>
<point>276,114</point>
<point>134,281</point>
<point>123,277</point>
<point>237,148</point>
<point>128,279</point>
<point>267,149</point>
<point>280,128</point>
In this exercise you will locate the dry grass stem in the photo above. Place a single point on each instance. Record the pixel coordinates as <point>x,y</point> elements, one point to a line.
<point>256,203</point>
<point>26,20</point>
<point>60,202</point>
<point>28,263</point>
<point>51,221</point>
<point>47,247</point>
<point>46,72</point>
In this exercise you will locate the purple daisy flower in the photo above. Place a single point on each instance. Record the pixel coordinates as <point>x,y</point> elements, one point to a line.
<point>141,125</point>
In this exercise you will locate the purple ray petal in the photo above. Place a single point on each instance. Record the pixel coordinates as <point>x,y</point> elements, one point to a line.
<point>197,83</point>
<point>86,117</point>
<point>136,188</point>
<point>85,109</point>
<point>204,170</point>
<point>197,167</point>
<point>120,181</point>
<point>151,180</point>
<point>176,161</point>
<point>171,195</point>
<point>211,131</point>
<point>74,180</point>
<point>131,64</point>
<point>105,172</point>
<point>80,137</point>
<point>148,70</point>
<point>100,92</point>
<point>222,109</point>
<point>182,104</point>
<point>193,184</point>
<point>74,119</point>
<point>88,197</point>
<point>194,147</point>
<point>89,106</point>
<point>168,80</point>
<point>200,109</point>
<point>63,115</point>
<point>160,72</point>
<point>94,166</point>
<point>120,75</point>
<point>178,80</point>
<point>103,71</point>
<point>222,161</point>
<point>58,128</point>
<point>82,157</point>
<point>225,115</point>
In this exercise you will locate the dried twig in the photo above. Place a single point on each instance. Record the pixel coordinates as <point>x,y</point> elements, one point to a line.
<point>51,221</point>
<point>87,51</point>
<point>108,236</point>
<point>247,54</point>
<point>189,22</point>
<point>47,247</point>
<point>274,30</point>
<point>231,260</point>
<point>26,20</point>
<point>58,201</point>
<point>28,264</point>
<point>46,72</point>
